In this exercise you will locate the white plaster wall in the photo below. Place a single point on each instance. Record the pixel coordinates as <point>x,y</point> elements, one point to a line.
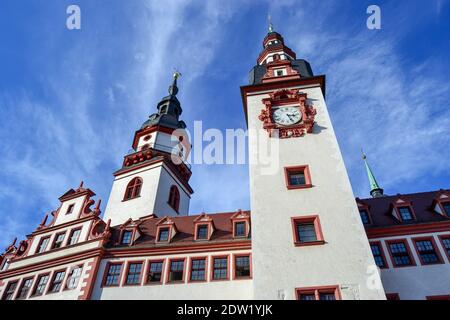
<point>152,197</point>
<point>227,289</point>
<point>346,256</point>
<point>416,282</point>
<point>63,217</point>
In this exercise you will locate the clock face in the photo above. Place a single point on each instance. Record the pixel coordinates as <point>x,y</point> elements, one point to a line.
<point>287,116</point>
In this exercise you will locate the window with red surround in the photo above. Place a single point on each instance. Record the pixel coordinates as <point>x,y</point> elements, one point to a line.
<point>378,254</point>
<point>126,237</point>
<point>155,272</point>
<point>318,293</point>
<point>133,275</point>
<point>403,210</point>
<point>220,268</point>
<point>307,231</point>
<point>113,273</point>
<point>57,281</point>
<point>163,234</point>
<point>41,284</point>
<point>241,224</point>
<point>10,290</point>
<point>242,266</point>
<point>43,243</point>
<point>74,277</point>
<point>133,189</point>
<point>24,289</point>
<point>392,296</point>
<point>58,241</point>
<point>202,232</point>
<point>400,253</point>
<point>70,208</point>
<point>174,198</point>
<point>297,177</point>
<point>197,271</point>
<point>427,251</point>
<point>74,236</point>
<point>445,241</point>
<point>176,270</point>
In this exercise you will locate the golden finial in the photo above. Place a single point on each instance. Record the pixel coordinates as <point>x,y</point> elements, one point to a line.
<point>176,74</point>
<point>363,155</point>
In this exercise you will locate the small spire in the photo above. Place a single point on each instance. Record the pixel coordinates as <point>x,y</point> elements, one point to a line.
<point>269,18</point>
<point>375,190</point>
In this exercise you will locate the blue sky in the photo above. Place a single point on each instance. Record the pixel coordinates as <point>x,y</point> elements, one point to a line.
<point>71,101</point>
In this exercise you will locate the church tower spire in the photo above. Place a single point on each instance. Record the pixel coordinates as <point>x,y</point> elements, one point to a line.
<point>375,190</point>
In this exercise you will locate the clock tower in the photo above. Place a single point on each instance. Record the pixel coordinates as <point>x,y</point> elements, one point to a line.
<point>307,236</point>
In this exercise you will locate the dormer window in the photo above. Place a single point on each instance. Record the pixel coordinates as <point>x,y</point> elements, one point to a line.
<point>126,237</point>
<point>405,213</point>
<point>133,189</point>
<point>70,208</point>
<point>446,206</point>
<point>174,198</point>
<point>163,235</point>
<point>365,218</point>
<point>240,229</point>
<point>202,232</point>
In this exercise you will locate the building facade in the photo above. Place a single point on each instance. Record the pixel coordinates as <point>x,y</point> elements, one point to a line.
<point>305,237</point>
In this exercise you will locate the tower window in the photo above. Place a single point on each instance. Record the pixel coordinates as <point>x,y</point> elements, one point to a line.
<point>202,232</point>
<point>134,273</point>
<point>401,256</point>
<point>133,189</point>
<point>57,281</point>
<point>307,231</point>
<point>220,268</point>
<point>242,267</point>
<point>174,198</point>
<point>378,255</point>
<point>10,290</point>
<point>155,271</point>
<point>163,235</point>
<point>405,213</point>
<point>59,239</point>
<point>126,237</point>
<point>322,293</point>
<point>43,244</point>
<point>198,269</point>
<point>427,252</point>
<point>70,208</point>
<point>40,285</point>
<point>25,288</point>
<point>176,270</point>
<point>113,274</point>
<point>297,177</point>
<point>74,236</point>
<point>364,216</point>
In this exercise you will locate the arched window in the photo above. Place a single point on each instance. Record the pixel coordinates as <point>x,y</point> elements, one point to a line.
<point>133,189</point>
<point>174,198</point>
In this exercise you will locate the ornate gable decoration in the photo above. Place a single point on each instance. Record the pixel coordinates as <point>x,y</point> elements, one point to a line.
<point>291,98</point>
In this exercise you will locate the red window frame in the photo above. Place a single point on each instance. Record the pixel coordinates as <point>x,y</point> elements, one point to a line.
<point>191,261</point>
<point>105,274</point>
<point>36,284</point>
<point>21,286</point>
<point>122,236</point>
<point>70,208</point>
<point>306,172</point>
<point>52,281</point>
<point>208,233</point>
<point>56,237</point>
<point>383,256</point>
<point>133,189</point>
<point>441,239</point>
<point>317,227</point>
<point>247,227</point>
<point>158,232</point>
<point>147,271</point>
<point>174,198</point>
<point>435,248</point>
<point>227,257</point>
<point>405,204</point>
<point>169,265</point>
<point>316,291</point>
<point>127,270</point>
<point>69,276</point>
<point>238,255</point>
<point>40,244</point>
<point>69,239</point>
<point>408,250</point>
<point>7,287</point>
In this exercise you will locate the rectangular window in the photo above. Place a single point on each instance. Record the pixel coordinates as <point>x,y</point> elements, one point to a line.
<point>70,208</point>
<point>399,250</point>
<point>364,216</point>
<point>25,288</point>
<point>426,251</point>
<point>5,265</point>
<point>9,291</point>
<point>446,206</point>
<point>198,269</point>
<point>446,244</point>
<point>320,293</point>
<point>202,232</point>
<point>126,237</point>
<point>242,267</point>
<point>57,281</point>
<point>240,229</point>
<point>155,272</point>
<point>176,270</point>
<point>43,243</point>
<point>163,235</point>
<point>40,285</point>
<point>378,255</point>
<point>405,213</point>
<point>297,177</point>
<point>134,273</point>
<point>74,236</point>
<point>113,274</point>
<point>74,277</point>
<point>278,73</point>
<point>220,268</point>
<point>59,239</point>
<point>307,231</point>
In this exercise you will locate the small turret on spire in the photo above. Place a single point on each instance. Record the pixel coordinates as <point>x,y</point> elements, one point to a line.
<point>375,190</point>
